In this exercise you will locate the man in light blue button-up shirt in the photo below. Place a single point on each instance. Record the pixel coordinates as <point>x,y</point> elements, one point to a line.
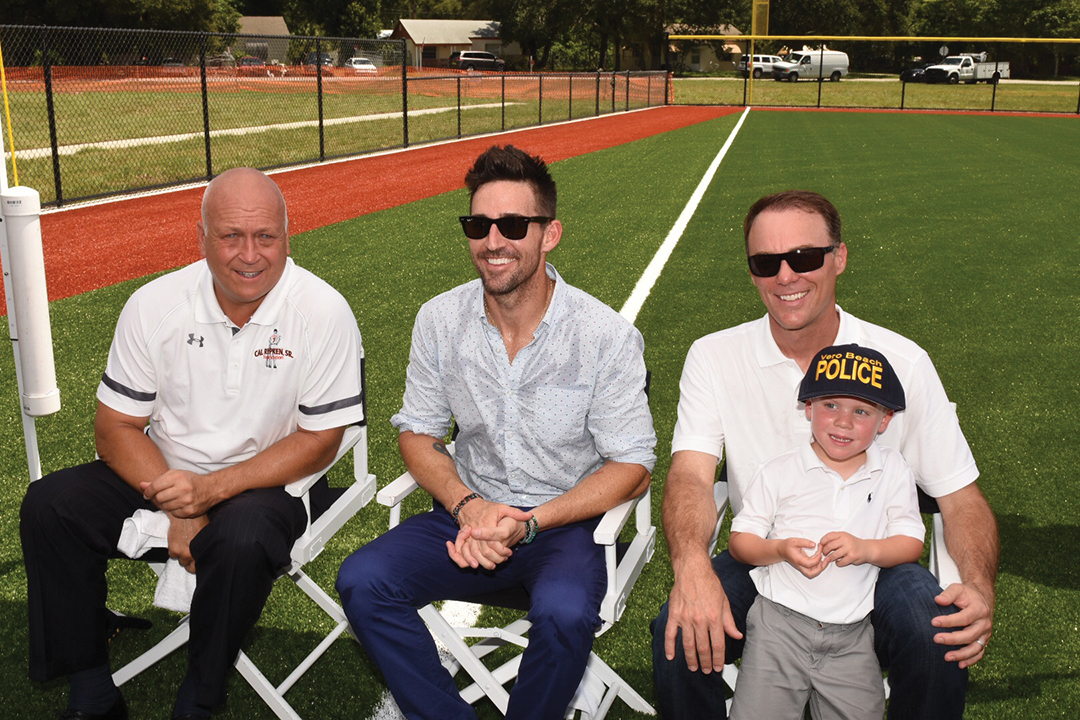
<point>547,387</point>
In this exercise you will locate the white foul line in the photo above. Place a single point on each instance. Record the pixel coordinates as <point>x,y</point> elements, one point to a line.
<point>652,273</point>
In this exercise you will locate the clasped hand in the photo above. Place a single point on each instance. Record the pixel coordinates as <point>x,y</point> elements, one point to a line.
<point>488,531</point>
<point>836,547</point>
<point>181,493</point>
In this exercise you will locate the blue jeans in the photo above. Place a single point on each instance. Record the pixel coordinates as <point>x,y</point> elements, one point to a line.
<point>383,583</point>
<point>924,686</point>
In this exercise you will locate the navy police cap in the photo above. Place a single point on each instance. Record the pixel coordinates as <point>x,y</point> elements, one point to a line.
<point>852,371</point>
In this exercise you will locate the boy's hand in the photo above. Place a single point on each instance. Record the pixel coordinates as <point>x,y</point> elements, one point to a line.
<point>793,550</point>
<point>844,549</point>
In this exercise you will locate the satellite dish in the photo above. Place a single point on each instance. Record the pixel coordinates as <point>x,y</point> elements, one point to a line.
<point>943,50</point>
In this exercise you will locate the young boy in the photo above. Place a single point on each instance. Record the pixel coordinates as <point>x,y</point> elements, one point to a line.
<point>819,521</point>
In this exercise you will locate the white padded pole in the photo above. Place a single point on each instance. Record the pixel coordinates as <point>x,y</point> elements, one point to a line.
<point>22,221</point>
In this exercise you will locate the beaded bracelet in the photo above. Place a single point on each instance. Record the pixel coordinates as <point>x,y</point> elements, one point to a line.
<point>532,526</point>
<point>464,501</point>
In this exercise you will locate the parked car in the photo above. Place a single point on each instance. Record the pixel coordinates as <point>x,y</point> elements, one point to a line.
<point>762,64</point>
<point>361,66</point>
<point>476,60</point>
<point>914,74</point>
<point>811,65</point>
<point>315,58</point>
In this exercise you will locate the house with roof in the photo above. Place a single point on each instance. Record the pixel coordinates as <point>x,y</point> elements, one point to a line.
<point>274,45</point>
<point>705,56</point>
<point>429,43</point>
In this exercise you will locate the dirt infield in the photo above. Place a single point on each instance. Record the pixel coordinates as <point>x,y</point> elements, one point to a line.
<point>96,246</point>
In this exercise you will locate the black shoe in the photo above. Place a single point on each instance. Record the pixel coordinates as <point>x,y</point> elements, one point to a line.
<point>118,711</point>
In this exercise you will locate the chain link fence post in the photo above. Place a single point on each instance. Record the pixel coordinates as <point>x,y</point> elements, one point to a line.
<point>570,98</point>
<point>404,93</point>
<point>540,99</point>
<point>319,91</point>
<point>46,68</point>
<point>205,106</point>
<point>820,73</point>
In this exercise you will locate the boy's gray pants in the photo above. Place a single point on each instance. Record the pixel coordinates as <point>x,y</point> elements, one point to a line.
<point>791,659</point>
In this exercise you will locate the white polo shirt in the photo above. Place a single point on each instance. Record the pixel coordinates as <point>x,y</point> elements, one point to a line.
<point>739,394</point>
<point>797,495</point>
<point>217,394</point>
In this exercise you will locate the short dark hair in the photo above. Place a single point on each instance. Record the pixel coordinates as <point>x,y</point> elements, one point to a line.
<point>511,163</point>
<point>804,200</point>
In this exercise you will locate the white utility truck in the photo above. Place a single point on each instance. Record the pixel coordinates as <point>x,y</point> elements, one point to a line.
<point>966,67</point>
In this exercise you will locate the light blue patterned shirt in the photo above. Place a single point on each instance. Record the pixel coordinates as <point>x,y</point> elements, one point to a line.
<point>573,398</point>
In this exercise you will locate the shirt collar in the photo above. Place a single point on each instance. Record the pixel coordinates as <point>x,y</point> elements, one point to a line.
<point>208,310</point>
<point>870,467</point>
<point>768,352</point>
<point>554,310</point>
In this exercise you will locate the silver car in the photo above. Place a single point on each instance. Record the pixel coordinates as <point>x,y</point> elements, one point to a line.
<point>762,64</point>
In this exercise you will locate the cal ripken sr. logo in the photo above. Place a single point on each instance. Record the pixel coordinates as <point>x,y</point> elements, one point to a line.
<point>272,353</point>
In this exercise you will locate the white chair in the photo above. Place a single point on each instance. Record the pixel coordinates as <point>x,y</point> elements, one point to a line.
<point>305,549</point>
<point>942,566</point>
<point>624,565</point>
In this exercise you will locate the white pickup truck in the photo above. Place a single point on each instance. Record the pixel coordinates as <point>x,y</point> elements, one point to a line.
<point>967,67</point>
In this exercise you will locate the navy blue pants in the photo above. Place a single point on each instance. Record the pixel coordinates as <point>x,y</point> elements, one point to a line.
<point>384,583</point>
<point>924,686</point>
<point>70,524</point>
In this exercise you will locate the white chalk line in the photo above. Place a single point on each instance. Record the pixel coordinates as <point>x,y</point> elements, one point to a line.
<point>652,272</point>
<point>166,139</point>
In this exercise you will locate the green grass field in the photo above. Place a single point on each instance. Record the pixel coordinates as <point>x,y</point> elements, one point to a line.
<point>962,236</point>
<point>882,93</point>
<point>153,137</point>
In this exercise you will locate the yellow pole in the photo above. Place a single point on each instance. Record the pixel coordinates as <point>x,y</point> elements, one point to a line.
<point>7,112</point>
<point>759,26</point>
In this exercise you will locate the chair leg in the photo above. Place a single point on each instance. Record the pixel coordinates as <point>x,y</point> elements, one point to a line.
<point>172,642</point>
<point>266,690</point>
<point>463,654</point>
<point>612,679</point>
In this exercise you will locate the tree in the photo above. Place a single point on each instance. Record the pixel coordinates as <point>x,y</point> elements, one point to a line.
<point>206,15</point>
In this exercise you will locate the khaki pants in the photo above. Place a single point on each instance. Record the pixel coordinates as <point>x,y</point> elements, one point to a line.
<point>791,659</point>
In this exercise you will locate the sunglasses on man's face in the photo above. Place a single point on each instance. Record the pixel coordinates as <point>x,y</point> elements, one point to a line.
<point>511,227</point>
<point>802,260</point>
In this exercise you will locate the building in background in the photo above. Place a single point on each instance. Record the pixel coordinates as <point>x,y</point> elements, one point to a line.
<point>429,43</point>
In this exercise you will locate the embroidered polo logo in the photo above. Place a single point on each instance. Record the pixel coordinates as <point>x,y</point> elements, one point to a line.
<point>272,353</point>
<point>869,497</point>
<point>191,339</point>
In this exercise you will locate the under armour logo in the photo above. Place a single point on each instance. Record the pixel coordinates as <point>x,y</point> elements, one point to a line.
<point>191,339</point>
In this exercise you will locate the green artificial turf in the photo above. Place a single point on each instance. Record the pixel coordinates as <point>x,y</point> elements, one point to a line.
<point>962,236</point>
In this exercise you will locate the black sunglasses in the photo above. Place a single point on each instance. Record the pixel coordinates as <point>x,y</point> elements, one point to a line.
<point>802,260</point>
<point>511,227</point>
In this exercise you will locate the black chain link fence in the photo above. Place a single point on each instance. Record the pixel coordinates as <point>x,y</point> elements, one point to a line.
<point>99,112</point>
<point>875,80</point>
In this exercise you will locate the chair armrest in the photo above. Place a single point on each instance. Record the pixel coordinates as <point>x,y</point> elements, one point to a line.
<point>353,434</point>
<point>394,493</point>
<point>623,572</point>
<point>613,521</point>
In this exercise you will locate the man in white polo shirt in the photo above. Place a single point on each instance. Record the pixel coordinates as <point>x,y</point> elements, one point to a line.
<point>227,380</point>
<point>739,400</point>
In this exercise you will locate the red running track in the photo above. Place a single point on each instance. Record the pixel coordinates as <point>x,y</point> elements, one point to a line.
<point>95,246</point>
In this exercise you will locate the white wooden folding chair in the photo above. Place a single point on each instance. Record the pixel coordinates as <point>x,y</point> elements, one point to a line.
<point>306,548</point>
<point>942,566</point>
<point>624,564</point>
